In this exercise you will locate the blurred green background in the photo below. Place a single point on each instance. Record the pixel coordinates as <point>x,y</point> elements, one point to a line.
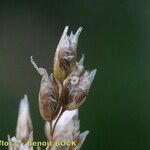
<point>115,40</point>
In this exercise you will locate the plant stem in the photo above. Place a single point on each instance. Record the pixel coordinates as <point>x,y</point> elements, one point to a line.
<point>60,114</point>
<point>51,129</point>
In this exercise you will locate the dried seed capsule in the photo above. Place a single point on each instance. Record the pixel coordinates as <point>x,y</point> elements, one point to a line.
<point>65,56</point>
<point>48,95</point>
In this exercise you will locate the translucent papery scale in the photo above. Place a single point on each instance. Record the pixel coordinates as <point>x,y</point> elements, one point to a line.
<point>69,41</point>
<point>87,79</point>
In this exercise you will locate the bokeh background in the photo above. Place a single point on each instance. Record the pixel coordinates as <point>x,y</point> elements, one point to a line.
<point>115,40</point>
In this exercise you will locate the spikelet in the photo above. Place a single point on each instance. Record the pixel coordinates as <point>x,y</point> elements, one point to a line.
<point>24,129</point>
<point>48,94</point>
<point>76,87</point>
<point>66,54</point>
<point>67,129</point>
